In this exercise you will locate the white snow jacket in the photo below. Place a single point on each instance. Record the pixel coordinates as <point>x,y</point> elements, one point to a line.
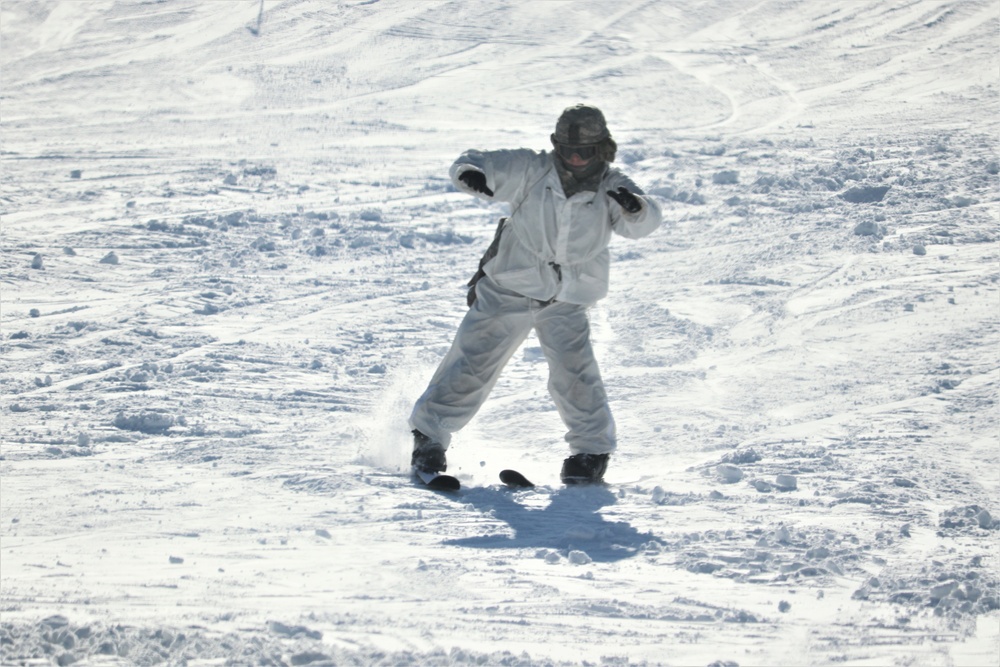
<point>554,247</point>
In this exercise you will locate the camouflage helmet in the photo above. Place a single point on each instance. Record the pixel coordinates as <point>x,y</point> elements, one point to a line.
<point>580,125</point>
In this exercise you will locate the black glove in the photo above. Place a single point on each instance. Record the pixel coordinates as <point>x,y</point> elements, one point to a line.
<point>626,200</point>
<point>476,180</point>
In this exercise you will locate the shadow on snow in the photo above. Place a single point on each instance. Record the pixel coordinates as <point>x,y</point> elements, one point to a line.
<point>571,521</point>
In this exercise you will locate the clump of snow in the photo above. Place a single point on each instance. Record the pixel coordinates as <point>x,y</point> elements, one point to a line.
<point>144,422</point>
<point>729,473</point>
<point>966,519</point>
<point>870,228</point>
<point>727,177</point>
<point>865,194</point>
<point>786,482</point>
<point>205,452</point>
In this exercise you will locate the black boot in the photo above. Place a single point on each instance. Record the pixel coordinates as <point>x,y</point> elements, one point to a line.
<point>584,469</point>
<point>428,456</point>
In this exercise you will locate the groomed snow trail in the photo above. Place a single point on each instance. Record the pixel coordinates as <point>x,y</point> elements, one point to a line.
<point>231,262</point>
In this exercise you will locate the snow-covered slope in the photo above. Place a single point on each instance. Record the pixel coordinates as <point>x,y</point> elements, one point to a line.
<point>232,258</point>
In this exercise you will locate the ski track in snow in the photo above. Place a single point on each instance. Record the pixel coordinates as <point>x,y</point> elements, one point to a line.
<point>231,262</point>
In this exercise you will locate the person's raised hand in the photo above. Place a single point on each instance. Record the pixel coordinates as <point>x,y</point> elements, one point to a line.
<point>476,180</point>
<point>626,200</point>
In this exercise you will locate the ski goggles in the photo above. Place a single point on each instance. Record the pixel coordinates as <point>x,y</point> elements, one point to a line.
<point>585,152</point>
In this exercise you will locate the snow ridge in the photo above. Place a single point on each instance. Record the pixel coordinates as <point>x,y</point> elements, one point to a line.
<point>229,273</point>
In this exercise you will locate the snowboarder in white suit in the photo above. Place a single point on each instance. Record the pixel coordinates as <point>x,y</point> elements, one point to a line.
<point>548,263</point>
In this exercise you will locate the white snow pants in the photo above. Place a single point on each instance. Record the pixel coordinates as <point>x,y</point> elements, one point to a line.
<point>493,329</point>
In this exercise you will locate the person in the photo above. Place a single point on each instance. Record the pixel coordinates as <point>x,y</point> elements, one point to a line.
<point>548,263</point>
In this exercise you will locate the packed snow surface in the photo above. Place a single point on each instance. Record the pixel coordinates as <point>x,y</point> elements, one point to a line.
<point>232,259</point>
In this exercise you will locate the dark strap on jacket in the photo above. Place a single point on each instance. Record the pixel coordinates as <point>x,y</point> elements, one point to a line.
<point>490,253</point>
